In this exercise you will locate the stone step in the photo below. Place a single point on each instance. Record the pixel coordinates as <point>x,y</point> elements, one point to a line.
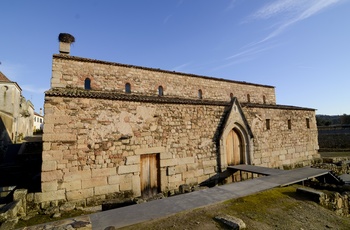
<point>5,190</point>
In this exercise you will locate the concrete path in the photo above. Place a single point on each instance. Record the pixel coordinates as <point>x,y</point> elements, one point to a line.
<point>168,206</point>
<point>165,207</point>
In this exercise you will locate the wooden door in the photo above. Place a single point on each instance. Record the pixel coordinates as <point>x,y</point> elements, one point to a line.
<point>234,150</point>
<point>149,175</point>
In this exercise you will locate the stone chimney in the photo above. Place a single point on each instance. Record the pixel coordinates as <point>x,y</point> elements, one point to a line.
<point>41,111</point>
<point>65,41</point>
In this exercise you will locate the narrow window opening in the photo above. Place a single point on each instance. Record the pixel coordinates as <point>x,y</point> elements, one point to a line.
<point>264,99</point>
<point>248,98</point>
<point>87,84</point>
<point>289,124</point>
<point>127,88</point>
<point>267,124</point>
<point>307,123</point>
<point>160,91</point>
<point>200,95</point>
<point>231,96</point>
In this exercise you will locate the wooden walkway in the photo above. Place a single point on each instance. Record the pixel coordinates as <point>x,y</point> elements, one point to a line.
<point>282,177</point>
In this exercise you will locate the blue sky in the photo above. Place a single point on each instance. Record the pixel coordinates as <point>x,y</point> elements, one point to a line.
<point>302,47</point>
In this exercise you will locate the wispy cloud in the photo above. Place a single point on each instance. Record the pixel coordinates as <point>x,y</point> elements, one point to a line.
<point>33,89</point>
<point>181,67</point>
<point>165,21</point>
<point>289,13</point>
<point>247,54</point>
<point>231,5</point>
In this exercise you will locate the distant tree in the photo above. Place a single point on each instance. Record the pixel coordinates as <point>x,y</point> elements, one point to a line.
<point>322,120</point>
<point>345,119</point>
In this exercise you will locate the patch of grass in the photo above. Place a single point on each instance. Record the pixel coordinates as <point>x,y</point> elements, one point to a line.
<point>335,154</point>
<point>262,203</point>
<point>41,218</point>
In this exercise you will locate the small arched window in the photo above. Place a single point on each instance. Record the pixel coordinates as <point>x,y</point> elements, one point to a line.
<point>160,91</point>
<point>248,98</point>
<point>231,96</point>
<point>264,99</point>
<point>127,88</point>
<point>200,94</point>
<point>87,84</point>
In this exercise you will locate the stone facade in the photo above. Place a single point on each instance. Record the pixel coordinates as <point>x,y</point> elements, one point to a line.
<point>114,129</point>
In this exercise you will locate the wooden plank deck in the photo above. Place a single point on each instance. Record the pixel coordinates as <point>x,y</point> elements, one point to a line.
<point>282,177</point>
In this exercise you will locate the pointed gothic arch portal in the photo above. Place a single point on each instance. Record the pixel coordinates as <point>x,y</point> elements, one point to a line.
<point>235,148</point>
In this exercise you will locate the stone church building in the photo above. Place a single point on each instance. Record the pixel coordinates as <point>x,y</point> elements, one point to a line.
<point>114,129</point>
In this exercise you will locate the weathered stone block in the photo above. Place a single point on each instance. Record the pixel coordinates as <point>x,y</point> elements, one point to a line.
<point>49,196</point>
<point>180,168</point>
<point>52,155</point>
<point>49,186</point>
<point>72,185</point>
<point>115,179</point>
<point>191,180</point>
<point>231,221</point>
<point>59,137</point>
<point>103,172</point>
<point>209,163</point>
<point>175,178</point>
<point>166,155</point>
<point>186,160</point>
<point>51,175</point>
<point>168,162</point>
<point>124,169</point>
<point>131,160</point>
<point>136,185</point>
<point>126,186</point>
<point>193,166</point>
<point>171,170</point>
<point>48,166</point>
<point>94,182</point>
<point>80,194</point>
<point>79,175</point>
<point>46,146</point>
<point>107,189</point>
<point>209,170</point>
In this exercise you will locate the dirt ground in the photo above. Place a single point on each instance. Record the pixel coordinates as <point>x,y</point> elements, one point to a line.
<point>280,208</point>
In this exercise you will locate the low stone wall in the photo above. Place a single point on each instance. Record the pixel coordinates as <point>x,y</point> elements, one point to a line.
<point>339,203</point>
<point>11,212</point>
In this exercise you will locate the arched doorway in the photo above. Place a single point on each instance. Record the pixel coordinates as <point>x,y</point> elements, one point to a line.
<point>234,148</point>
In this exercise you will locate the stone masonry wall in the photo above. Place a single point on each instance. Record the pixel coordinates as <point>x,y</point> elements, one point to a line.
<point>93,140</point>
<point>71,72</point>
<point>92,147</point>
<point>280,146</point>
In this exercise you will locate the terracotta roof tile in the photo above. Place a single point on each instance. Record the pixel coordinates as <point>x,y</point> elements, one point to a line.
<point>4,78</point>
<point>80,93</point>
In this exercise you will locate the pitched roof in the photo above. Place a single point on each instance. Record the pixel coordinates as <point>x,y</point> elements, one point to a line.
<point>82,93</point>
<point>4,78</point>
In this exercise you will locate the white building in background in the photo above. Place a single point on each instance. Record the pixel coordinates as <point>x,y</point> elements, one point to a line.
<point>16,113</point>
<point>38,120</point>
